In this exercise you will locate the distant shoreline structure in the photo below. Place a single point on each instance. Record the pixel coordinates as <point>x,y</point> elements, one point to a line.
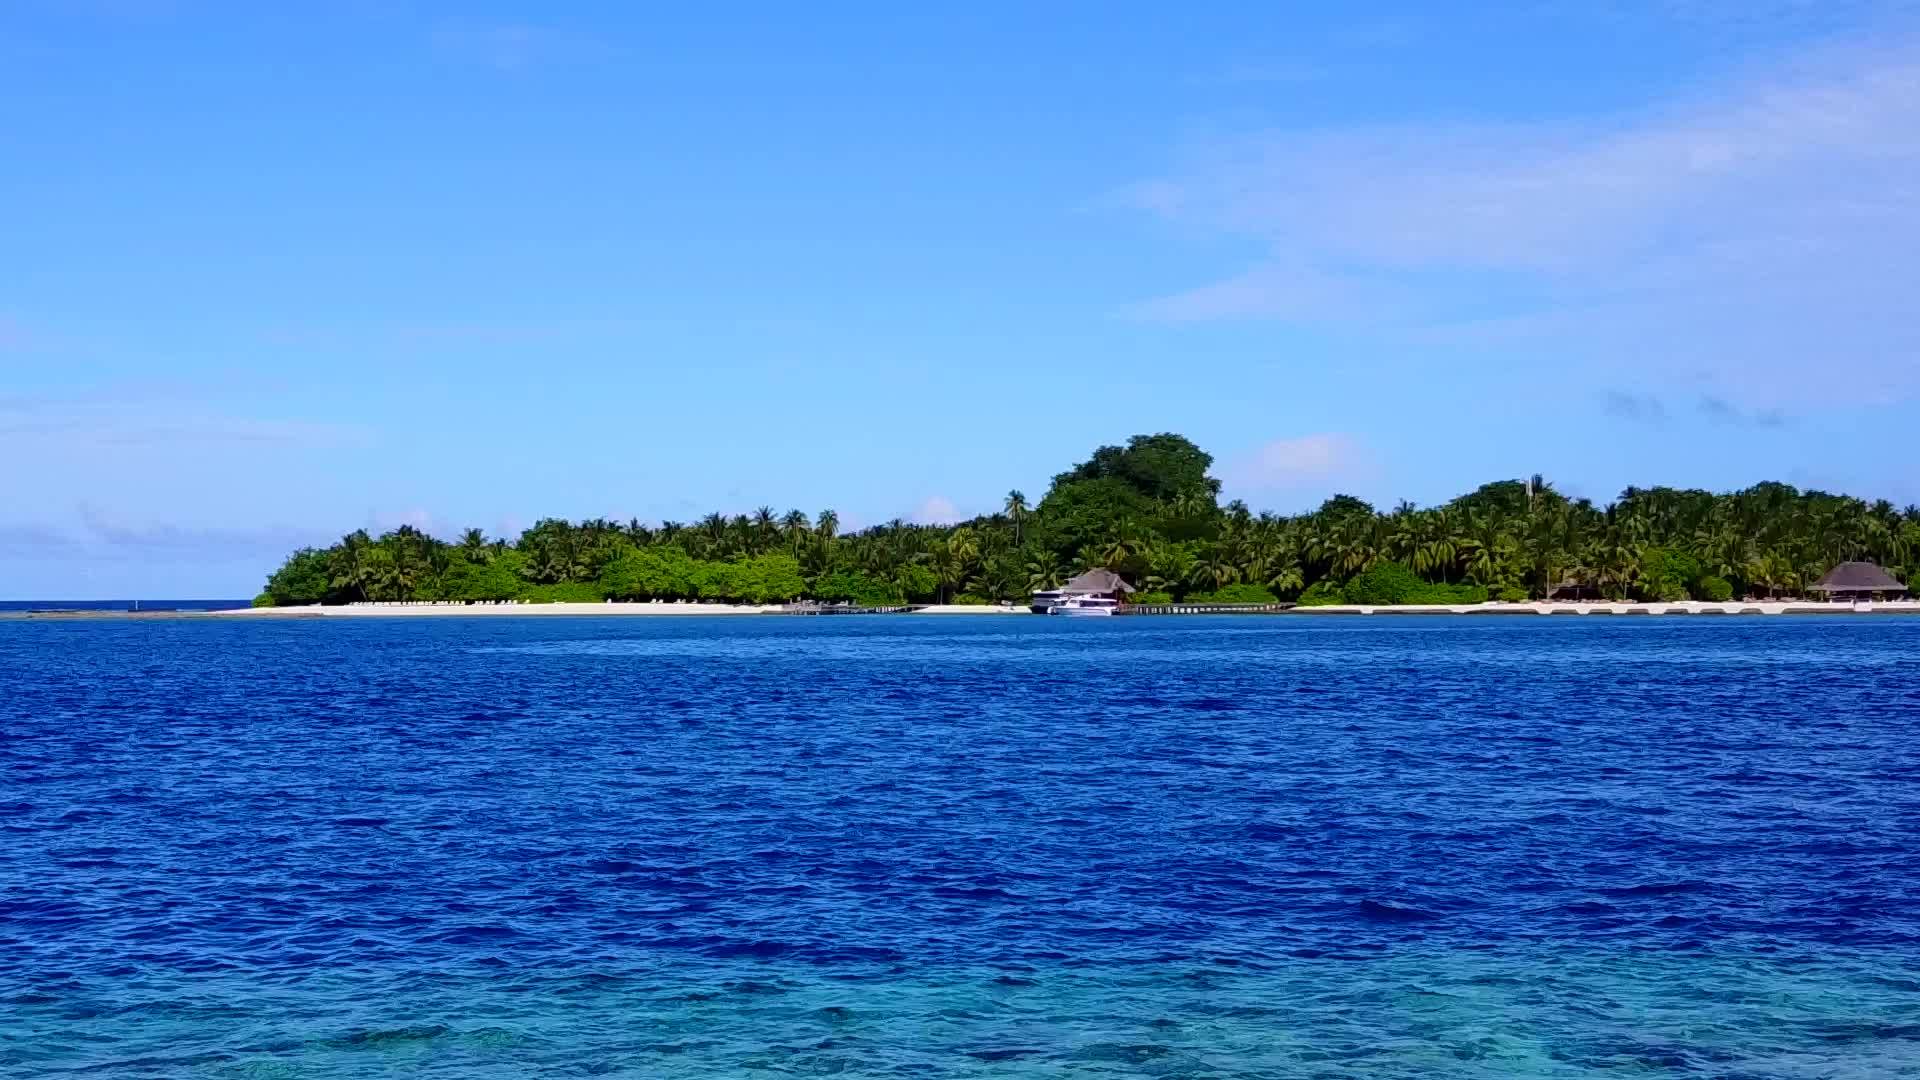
<point>1549,608</point>
<point>1629,609</point>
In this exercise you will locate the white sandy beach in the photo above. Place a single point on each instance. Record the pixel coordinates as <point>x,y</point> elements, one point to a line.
<point>1689,607</point>
<point>414,610</point>
<point>379,611</point>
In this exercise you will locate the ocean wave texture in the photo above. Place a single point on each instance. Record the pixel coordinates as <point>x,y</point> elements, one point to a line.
<point>916,847</point>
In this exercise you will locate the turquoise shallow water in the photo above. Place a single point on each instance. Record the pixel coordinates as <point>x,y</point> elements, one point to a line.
<point>1500,1013</point>
<point>915,847</point>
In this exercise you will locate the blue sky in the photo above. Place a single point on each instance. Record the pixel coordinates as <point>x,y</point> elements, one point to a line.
<point>267,276</point>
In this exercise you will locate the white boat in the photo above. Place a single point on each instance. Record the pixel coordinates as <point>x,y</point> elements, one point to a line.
<point>1042,602</point>
<point>1083,606</point>
<point>1096,592</point>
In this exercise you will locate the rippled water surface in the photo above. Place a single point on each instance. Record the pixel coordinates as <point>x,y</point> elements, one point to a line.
<point>924,847</point>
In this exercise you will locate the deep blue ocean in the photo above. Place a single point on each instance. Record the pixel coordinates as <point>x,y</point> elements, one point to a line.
<point>121,605</point>
<point>951,847</point>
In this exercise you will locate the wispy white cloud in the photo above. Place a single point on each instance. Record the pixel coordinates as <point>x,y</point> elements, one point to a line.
<point>1652,410</point>
<point>132,417</point>
<point>936,510</point>
<point>95,533</point>
<point>104,529</point>
<point>1722,411</point>
<point>1302,461</point>
<point>1642,408</point>
<point>425,521</point>
<point>1801,17</point>
<point>35,539</point>
<point>1750,238</point>
<point>1279,288</point>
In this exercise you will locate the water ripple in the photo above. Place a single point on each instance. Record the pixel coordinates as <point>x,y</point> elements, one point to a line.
<point>1182,847</point>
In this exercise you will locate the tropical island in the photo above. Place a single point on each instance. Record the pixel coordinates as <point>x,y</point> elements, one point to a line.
<point>1150,512</point>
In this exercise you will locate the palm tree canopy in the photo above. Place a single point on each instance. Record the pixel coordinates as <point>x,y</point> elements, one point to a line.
<point>1146,513</point>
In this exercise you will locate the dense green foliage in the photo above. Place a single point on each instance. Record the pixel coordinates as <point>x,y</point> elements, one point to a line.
<point>1149,511</point>
<point>1323,593</point>
<point>1394,583</point>
<point>1238,593</point>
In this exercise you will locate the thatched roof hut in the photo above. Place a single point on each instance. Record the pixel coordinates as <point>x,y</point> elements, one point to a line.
<point>1574,589</point>
<point>1097,583</point>
<point>1853,578</point>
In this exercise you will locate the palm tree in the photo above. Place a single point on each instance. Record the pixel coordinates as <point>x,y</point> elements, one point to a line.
<point>1437,554</point>
<point>1354,547</point>
<point>348,569</point>
<point>1486,547</point>
<point>998,579</point>
<point>795,525</point>
<point>381,577</point>
<point>1403,534</point>
<point>965,544</point>
<point>1016,509</point>
<point>949,568</point>
<point>473,546</point>
<point>1091,556</point>
<point>1168,565</point>
<point>1286,578</point>
<point>1769,537</point>
<point>1214,571</point>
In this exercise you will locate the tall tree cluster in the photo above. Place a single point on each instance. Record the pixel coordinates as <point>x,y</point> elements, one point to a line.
<point>1150,511</point>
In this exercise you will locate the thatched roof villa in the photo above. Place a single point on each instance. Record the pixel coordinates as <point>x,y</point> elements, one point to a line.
<point>1857,580</point>
<point>1101,584</point>
<point>1097,583</point>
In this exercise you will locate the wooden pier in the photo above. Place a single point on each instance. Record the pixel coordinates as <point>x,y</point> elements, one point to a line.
<point>1201,609</point>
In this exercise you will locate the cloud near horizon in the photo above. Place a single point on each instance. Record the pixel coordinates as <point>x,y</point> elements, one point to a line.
<point>1291,464</point>
<point>1651,410</point>
<point>140,416</point>
<point>936,510</point>
<point>95,533</point>
<point>1742,241</point>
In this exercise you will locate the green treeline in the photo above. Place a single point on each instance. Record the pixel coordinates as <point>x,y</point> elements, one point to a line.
<point>1149,511</point>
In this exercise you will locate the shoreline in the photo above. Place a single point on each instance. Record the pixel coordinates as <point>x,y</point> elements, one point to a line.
<point>1624,607</point>
<point>1735,608</point>
<point>386,611</point>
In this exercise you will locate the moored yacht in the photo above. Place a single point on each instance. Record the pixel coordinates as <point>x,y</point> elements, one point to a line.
<point>1096,592</point>
<point>1085,605</point>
